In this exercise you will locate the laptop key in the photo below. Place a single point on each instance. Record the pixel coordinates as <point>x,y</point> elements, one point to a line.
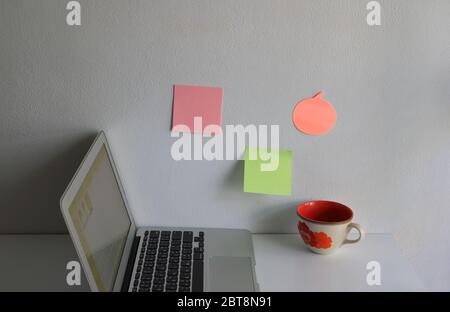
<point>158,281</point>
<point>172,279</point>
<point>160,267</point>
<point>185,276</point>
<point>162,254</point>
<point>161,261</point>
<point>201,234</point>
<point>185,269</point>
<point>198,249</point>
<point>187,236</point>
<point>198,256</point>
<point>186,257</point>
<point>184,289</point>
<point>160,274</point>
<point>197,276</point>
<point>172,272</point>
<point>149,264</point>
<point>186,263</point>
<point>176,235</point>
<point>154,234</point>
<point>185,283</point>
<point>186,251</point>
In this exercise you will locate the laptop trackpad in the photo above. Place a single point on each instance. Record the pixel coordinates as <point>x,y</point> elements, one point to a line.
<point>230,274</point>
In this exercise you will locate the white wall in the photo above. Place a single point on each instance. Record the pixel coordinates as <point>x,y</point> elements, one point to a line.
<point>388,156</point>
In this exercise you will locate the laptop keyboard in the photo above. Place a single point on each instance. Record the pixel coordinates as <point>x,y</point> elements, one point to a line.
<point>170,261</point>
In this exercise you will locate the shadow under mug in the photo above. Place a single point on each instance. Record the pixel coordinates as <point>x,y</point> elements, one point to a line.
<point>325,225</point>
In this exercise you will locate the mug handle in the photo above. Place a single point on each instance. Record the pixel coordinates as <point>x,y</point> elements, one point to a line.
<point>360,231</point>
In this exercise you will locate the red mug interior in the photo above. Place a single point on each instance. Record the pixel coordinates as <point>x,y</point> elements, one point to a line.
<point>321,211</point>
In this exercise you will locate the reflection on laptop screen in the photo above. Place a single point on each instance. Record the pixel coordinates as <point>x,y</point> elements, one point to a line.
<point>101,220</point>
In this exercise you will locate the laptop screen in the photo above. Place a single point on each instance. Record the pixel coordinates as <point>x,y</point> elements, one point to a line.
<point>101,220</point>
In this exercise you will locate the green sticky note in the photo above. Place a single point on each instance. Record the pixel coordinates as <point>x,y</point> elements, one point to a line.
<point>264,174</point>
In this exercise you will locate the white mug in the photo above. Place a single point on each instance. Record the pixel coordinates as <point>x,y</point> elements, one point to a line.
<point>324,225</point>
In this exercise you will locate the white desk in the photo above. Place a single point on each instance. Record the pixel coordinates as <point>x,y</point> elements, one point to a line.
<point>38,263</point>
<point>283,263</point>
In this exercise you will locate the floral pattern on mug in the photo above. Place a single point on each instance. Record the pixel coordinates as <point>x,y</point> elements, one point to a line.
<point>314,239</point>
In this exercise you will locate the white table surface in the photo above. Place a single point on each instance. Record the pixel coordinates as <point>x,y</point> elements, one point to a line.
<point>283,263</point>
<point>38,263</point>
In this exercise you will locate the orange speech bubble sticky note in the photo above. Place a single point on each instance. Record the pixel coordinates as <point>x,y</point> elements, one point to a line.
<point>314,116</point>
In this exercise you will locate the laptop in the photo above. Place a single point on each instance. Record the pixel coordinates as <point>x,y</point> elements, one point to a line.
<point>116,255</point>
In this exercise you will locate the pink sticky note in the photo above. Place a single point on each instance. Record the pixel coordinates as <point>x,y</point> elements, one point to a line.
<point>193,101</point>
